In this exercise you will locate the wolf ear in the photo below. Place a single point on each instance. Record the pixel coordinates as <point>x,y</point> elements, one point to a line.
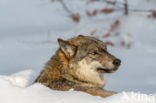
<point>68,50</point>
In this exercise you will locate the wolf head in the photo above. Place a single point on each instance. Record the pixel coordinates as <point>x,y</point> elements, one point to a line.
<point>88,58</point>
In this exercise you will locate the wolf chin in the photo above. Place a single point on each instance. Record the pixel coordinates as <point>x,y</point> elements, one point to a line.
<point>79,64</point>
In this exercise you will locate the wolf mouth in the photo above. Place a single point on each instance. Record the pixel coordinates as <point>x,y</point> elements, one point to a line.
<point>104,70</point>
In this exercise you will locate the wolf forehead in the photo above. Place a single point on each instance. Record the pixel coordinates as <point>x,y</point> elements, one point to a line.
<point>81,40</point>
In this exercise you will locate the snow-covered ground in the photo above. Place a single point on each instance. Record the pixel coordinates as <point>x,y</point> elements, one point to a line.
<point>28,38</point>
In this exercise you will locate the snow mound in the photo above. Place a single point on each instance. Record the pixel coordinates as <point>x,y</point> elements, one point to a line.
<point>17,88</point>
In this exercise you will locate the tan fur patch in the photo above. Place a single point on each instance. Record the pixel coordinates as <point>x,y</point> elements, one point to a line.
<point>87,72</point>
<point>62,56</point>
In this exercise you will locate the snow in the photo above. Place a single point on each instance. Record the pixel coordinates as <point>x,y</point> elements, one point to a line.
<point>29,30</point>
<point>16,88</point>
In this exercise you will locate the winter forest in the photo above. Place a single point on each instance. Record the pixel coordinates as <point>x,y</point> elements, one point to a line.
<point>29,30</point>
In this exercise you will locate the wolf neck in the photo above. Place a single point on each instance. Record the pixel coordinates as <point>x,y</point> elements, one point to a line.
<point>59,65</point>
<point>56,65</point>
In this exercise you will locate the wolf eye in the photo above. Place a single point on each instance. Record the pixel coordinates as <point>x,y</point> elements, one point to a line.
<point>95,52</point>
<point>103,50</point>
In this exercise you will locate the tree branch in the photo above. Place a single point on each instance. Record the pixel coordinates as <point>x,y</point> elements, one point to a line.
<point>65,6</point>
<point>126,7</point>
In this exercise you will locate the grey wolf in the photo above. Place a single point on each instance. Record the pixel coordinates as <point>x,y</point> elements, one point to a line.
<point>79,64</point>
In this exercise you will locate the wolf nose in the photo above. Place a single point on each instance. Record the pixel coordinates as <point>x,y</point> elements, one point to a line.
<point>117,62</point>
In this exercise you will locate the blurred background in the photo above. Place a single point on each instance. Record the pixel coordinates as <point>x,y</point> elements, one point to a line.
<point>29,30</point>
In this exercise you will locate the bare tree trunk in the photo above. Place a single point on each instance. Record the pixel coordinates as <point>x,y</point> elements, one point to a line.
<point>126,7</point>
